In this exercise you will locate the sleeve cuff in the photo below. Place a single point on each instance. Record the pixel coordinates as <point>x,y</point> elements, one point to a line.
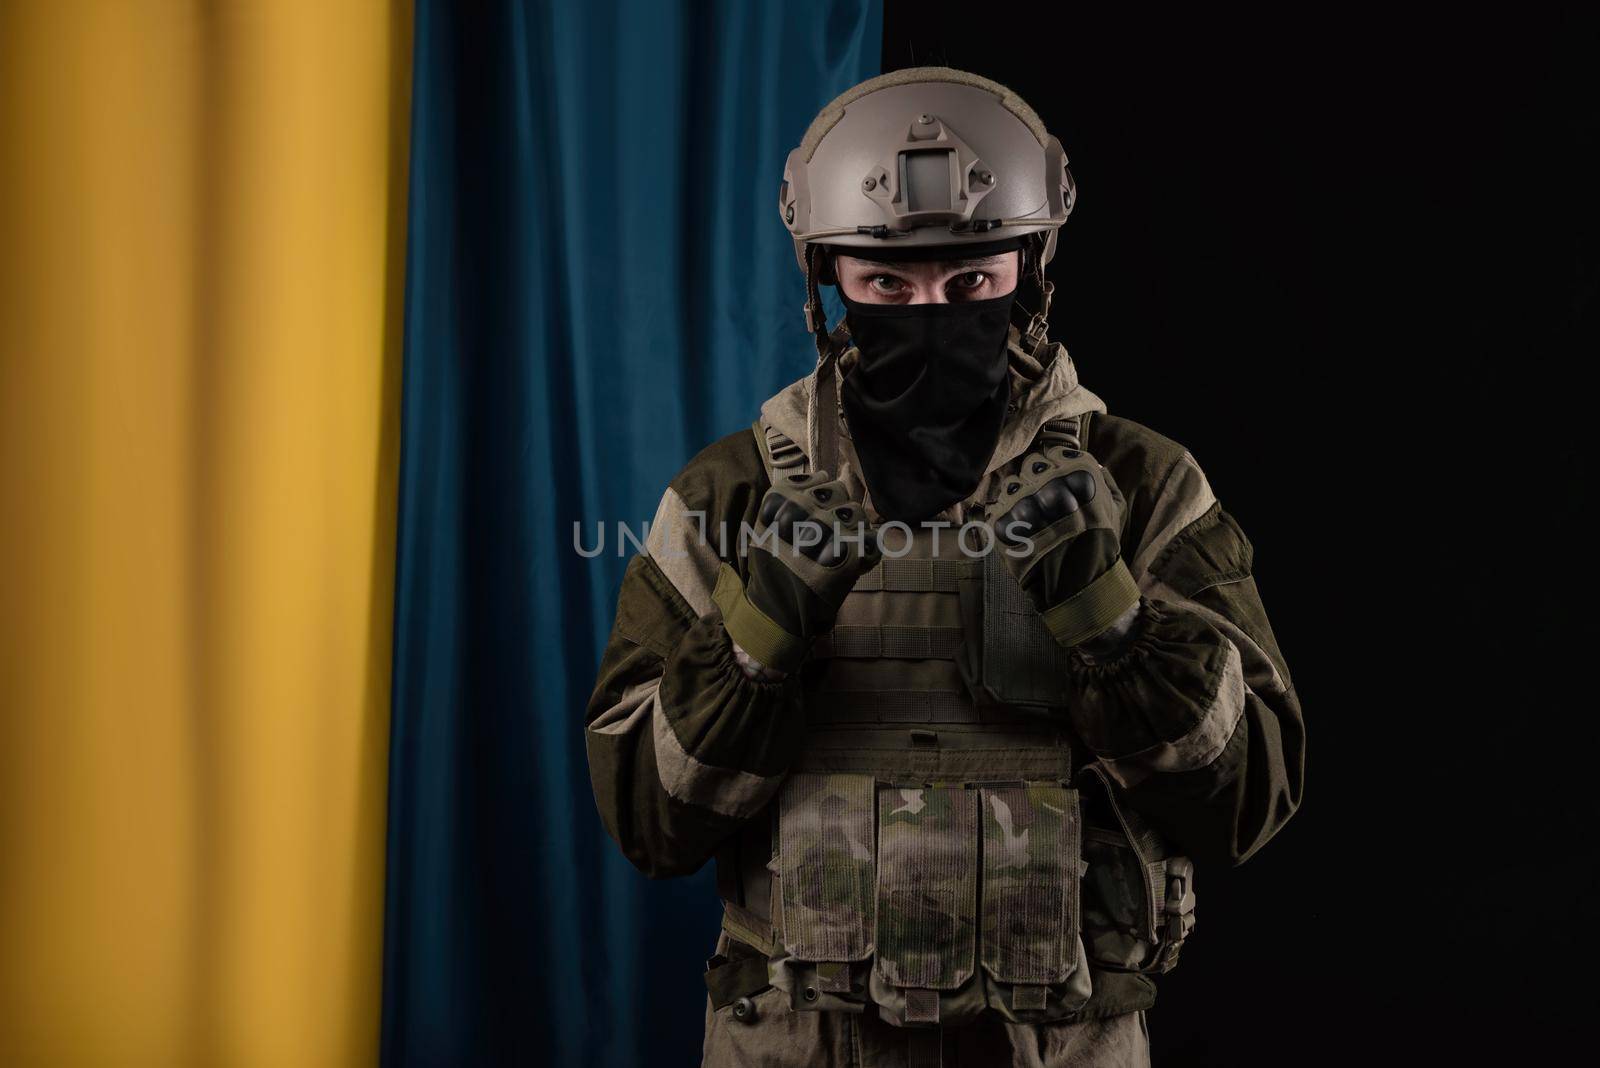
<point>1093,608</point>
<point>752,629</point>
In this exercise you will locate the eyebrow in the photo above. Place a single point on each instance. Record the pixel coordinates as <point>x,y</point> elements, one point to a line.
<point>973,261</point>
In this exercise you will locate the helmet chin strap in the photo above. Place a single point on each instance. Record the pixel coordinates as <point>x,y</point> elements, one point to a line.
<point>1035,332</point>
<point>816,316</point>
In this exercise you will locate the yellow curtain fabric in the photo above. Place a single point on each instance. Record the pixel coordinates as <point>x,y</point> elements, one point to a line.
<point>202,214</point>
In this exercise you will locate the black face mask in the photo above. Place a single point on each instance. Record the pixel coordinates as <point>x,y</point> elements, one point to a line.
<point>926,400</point>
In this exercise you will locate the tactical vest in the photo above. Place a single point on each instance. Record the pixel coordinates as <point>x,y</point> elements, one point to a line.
<point>942,847</point>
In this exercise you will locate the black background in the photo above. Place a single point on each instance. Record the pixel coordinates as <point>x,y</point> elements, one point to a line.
<point>1348,260</point>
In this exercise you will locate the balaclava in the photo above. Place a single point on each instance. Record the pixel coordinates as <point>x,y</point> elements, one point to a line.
<point>927,397</point>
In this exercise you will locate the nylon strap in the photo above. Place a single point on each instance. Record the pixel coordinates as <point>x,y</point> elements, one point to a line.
<point>909,575</point>
<point>1028,997</point>
<point>922,1007</point>
<point>874,642</point>
<point>1092,609</point>
<point>752,629</point>
<point>825,454</point>
<point>748,933</point>
<point>888,706</point>
<point>735,979</point>
<point>833,976</point>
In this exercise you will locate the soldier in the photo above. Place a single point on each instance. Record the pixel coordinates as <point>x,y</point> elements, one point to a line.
<point>989,676</point>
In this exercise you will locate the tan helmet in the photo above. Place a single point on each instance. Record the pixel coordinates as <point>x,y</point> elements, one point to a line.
<point>921,157</point>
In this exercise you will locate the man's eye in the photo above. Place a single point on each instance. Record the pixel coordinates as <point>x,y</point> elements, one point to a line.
<point>885,283</point>
<point>971,280</point>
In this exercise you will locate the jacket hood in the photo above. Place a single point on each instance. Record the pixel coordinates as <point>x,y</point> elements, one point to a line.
<point>1038,394</point>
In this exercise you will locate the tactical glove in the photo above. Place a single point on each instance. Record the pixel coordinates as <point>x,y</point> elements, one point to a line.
<point>1058,528</point>
<point>811,544</point>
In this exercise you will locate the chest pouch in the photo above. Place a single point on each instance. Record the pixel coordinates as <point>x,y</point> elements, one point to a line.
<point>1010,657</point>
<point>935,902</point>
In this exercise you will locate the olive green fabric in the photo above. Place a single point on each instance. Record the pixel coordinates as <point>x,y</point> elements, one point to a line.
<point>1017,661</point>
<point>728,980</point>
<point>724,720</point>
<point>1194,719</point>
<point>1138,895</point>
<point>1199,590</point>
<point>1093,608</point>
<point>1072,571</point>
<point>792,585</point>
<point>757,633</point>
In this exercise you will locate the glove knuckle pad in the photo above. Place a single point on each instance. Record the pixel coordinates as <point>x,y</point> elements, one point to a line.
<point>1081,484</point>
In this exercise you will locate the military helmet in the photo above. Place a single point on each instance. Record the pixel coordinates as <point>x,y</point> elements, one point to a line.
<point>922,157</point>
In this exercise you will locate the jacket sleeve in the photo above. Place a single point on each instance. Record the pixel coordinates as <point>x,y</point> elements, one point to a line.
<point>683,747</point>
<point>1195,715</point>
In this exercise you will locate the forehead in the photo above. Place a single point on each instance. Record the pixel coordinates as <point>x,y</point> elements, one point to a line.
<point>955,263</point>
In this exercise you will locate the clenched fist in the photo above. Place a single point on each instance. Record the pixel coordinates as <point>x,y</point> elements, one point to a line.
<point>812,543</point>
<point>1058,525</point>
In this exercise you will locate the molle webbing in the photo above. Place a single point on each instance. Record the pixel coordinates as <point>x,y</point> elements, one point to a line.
<point>876,642</point>
<point>892,654</point>
<point>888,706</point>
<point>939,751</point>
<point>906,606</point>
<point>910,575</point>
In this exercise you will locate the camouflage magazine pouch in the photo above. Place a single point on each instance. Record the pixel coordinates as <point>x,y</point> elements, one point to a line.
<point>1030,889</point>
<point>927,892</point>
<point>1138,897</point>
<point>826,866</point>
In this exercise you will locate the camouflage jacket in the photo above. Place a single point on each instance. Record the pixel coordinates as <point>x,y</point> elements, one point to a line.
<point>1195,717</point>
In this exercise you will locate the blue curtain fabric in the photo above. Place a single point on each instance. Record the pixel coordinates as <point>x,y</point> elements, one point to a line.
<point>597,287</point>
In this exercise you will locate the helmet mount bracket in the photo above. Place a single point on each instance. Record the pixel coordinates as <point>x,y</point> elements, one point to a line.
<point>932,176</point>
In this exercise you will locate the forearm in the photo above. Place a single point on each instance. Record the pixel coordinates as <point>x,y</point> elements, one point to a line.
<point>1228,809</point>
<point>1190,706</point>
<point>683,747</point>
<point>1163,697</point>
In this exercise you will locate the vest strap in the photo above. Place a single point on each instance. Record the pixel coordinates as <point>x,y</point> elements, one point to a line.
<point>1026,998</point>
<point>747,928</point>
<point>888,706</point>
<point>727,981</point>
<point>922,1008</point>
<point>907,575</point>
<point>878,641</point>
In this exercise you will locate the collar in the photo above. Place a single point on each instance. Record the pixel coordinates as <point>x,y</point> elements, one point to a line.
<point>1037,396</point>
